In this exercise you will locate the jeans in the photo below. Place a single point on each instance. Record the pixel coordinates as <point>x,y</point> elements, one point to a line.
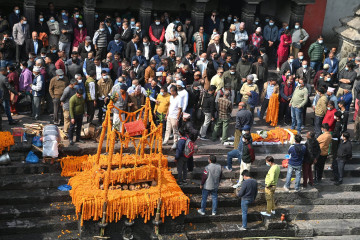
<point>78,124</point>
<point>244,209</point>
<point>36,106</point>
<point>57,110</point>
<point>315,65</point>
<point>224,123</point>
<point>181,166</point>
<point>233,154</point>
<point>317,125</point>
<point>5,63</point>
<point>214,197</point>
<point>341,167</point>
<point>296,117</point>
<point>319,168</point>
<point>66,47</point>
<point>6,104</point>
<point>205,125</point>
<point>297,170</point>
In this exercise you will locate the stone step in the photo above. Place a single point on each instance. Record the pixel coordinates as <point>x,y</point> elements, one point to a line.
<point>292,213</point>
<point>20,168</point>
<point>38,225</point>
<point>36,209</point>
<point>33,196</point>
<point>348,237</point>
<point>29,181</point>
<point>259,172</point>
<point>73,235</point>
<point>329,227</point>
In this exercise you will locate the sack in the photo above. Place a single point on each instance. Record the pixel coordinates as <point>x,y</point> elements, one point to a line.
<point>285,163</point>
<point>189,147</point>
<point>36,141</point>
<point>252,153</point>
<point>64,187</point>
<point>32,158</point>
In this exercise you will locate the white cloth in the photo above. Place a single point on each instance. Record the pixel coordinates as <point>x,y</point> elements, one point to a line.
<point>202,66</point>
<point>146,52</point>
<point>132,90</point>
<point>170,34</point>
<point>175,104</point>
<point>92,90</point>
<point>98,72</point>
<point>184,95</point>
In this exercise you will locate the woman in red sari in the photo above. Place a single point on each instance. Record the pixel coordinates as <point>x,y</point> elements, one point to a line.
<point>13,78</point>
<point>284,48</point>
<point>80,34</point>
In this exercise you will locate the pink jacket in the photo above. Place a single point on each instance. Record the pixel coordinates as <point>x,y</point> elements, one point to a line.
<point>25,80</point>
<point>79,37</point>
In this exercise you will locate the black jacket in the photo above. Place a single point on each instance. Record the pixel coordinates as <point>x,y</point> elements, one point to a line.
<point>30,46</point>
<point>312,150</point>
<point>130,50</point>
<point>140,74</point>
<point>344,151</point>
<point>82,51</point>
<point>42,28</point>
<point>8,50</point>
<point>208,104</point>
<point>126,35</point>
<point>5,87</point>
<point>234,53</point>
<point>193,100</point>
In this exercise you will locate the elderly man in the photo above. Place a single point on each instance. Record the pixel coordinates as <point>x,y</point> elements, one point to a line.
<point>297,103</point>
<point>346,78</point>
<point>215,47</point>
<point>243,117</point>
<point>37,89</point>
<point>218,80</point>
<point>136,99</point>
<point>69,91</point>
<point>250,90</point>
<point>100,41</point>
<point>104,85</point>
<point>229,36</point>
<point>33,45</point>
<point>241,37</point>
<point>299,37</point>
<point>56,89</point>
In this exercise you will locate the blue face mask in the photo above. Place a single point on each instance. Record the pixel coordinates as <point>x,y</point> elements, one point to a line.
<point>346,68</point>
<point>41,19</point>
<point>52,20</point>
<point>267,20</point>
<point>291,60</point>
<point>271,24</point>
<point>297,26</point>
<point>53,51</point>
<point>256,23</point>
<point>177,21</point>
<point>118,23</point>
<point>320,77</point>
<point>301,57</point>
<point>63,13</point>
<point>65,21</point>
<point>162,93</point>
<point>77,16</point>
<point>287,27</point>
<point>132,23</point>
<point>116,41</point>
<point>304,66</point>
<point>17,11</point>
<point>80,25</point>
<point>137,28</point>
<point>96,16</point>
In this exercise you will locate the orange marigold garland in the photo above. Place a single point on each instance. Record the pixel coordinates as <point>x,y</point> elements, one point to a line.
<point>6,140</point>
<point>131,184</point>
<point>275,135</point>
<point>273,110</point>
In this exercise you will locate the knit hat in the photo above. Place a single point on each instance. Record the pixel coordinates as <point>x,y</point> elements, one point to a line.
<point>258,29</point>
<point>59,72</point>
<point>331,90</point>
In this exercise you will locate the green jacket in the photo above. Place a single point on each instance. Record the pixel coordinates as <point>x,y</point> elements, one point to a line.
<point>233,79</point>
<point>76,106</point>
<point>272,176</point>
<point>316,52</point>
<point>300,97</point>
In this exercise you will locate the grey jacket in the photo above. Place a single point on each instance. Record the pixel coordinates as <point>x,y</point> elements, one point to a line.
<point>211,176</point>
<point>19,35</point>
<point>5,87</point>
<point>65,97</point>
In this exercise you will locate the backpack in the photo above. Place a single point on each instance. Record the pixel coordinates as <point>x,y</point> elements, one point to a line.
<point>252,153</point>
<point>189,147</point>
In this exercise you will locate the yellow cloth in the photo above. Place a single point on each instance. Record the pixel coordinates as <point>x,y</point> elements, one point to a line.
<point>164,102</point>
<point>218,82</point>
<point>273,110</point>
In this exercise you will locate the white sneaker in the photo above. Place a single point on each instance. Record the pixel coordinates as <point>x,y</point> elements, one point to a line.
<point>278,69</point>
<point>213,214</point>
<point>173,146</point>
<point>228,169</point>
<point>237,185</point>
<point>201,212</point>
<point>232,138</point>
<point>164,143</point>
<point>242,228</point>
<point>265,214</point>
<point>273,212</point>
<point>286,189</point>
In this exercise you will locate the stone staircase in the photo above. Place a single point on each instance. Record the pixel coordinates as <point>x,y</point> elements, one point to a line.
<point>31,207</point>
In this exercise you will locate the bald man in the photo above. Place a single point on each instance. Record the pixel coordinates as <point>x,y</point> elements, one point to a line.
<point>33,45</point>
<point>215,47</point>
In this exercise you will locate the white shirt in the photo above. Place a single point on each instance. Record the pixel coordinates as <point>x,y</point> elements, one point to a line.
<point>146,52</point>
<point>175,104</point>
<point>92,90</point>
<point>217,48</point>
<point>98,72</point>
<point>88,48</point>
<point>184,95</point>
<point>202,65</point>
<point>132,90</point>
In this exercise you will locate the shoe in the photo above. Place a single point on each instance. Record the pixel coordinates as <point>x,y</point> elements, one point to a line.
<point>338,183</point>
<point>79,141</point>
<point>173,146</point>
<point>228,169</point>
<point>286,189</point>
<point>201,212</point>
<point>184,182</point>
<point>278,69</point>
<point>273,212</point>
<point>333,180</point>
<point>242,228</point>
<point>231,139</point>
<point>204,138</point>
<point>71,143</point>
<point>237,185</point>
<point>214,214</point>
<point>164,143</point>
<point>265,214</point>
<point>180,183</point>
<point>297,190</point>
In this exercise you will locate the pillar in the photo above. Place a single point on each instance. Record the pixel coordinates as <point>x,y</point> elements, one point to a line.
<point>298,11</point>
<point>89,16</point>
<point>29,12</point>
<point>248,12</point>
<point>197,13</point>
<point>145,14</point>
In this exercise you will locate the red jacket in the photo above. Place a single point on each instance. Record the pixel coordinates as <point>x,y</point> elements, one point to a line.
<point>60,65</point>
<point>329,119</point>
<point>79,37</point>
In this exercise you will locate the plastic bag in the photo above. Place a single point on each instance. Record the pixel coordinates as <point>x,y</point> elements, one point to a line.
<point>285,163</point>
<point>50,147</point>
<point>36,141</point>
<point>32,158</point>
<point>64,187</point>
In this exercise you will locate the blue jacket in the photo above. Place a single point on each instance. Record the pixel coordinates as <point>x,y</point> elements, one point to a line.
<point>180,147</point>
<point>253,99</point>
<point>141,59</point>
<point>41,91</point>
<point>113,47</point>
<point>347,98</point>
<point>333,67</point>
<point>296,157</point>
<point>271,33</point>
<point>81,86</point>
<point>297,64</point>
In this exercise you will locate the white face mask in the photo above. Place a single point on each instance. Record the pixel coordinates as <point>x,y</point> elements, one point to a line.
<point>105,77</point>
<point>267,164</point>
<point>328,108</point>
<point>243,132</point>
<point>79,81</point>
<point>61,77</point>
<point>243,139</point>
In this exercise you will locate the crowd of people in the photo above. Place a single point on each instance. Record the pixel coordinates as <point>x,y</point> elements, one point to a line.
<point>193,78</point>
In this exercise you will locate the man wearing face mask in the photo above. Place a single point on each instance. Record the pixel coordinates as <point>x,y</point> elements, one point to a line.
<point>100,41</point>
<point>333,63</point>
<point>8,50</point>
<point>213,22</point>
<point>21,33</point>
<point>271,180</point>
<point>105,85</point>
<point>229,36</point>
<point>66,32</point>
<point>299,37</point>
<point>298,61</point>
<point>137,30</point>
<point>69,91</point>
<point>37,90</point>
<point>306,72</point>
<point>346,78</point>
<point>234,52</point>
<point>316,53</point>
<point>297,103</point>
<point>271,36</point>
<point>231,77</point>
<point>345,60</point>
<point>110,32</point>
<point>320,111</point>
<point>80,84</point>
<point>288,66</point>
<point>6,88</point>
<point>56,89</point>
<point>157,32</point>
<point>14,17</point>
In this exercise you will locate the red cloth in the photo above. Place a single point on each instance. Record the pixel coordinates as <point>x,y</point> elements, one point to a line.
<point>329,119</point>
<point>153,38</point>
<point>13,78</point>
<point>60,65</point>
<point>288,90</point>
<point>256,40</point>
<point>283,50</point>
<point>79,36</point>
